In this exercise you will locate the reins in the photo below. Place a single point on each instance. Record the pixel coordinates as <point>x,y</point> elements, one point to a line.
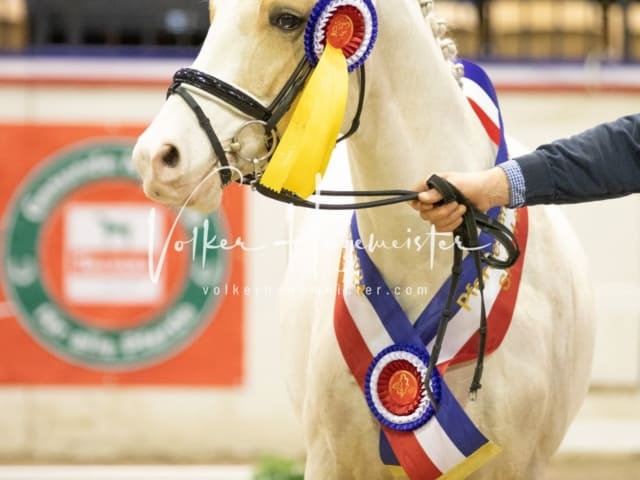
<point>472,221</point>
<point>467,236</point>
<point>396,196</point>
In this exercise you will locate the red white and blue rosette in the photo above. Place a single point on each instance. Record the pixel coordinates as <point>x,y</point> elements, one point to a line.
<point>351,25</point>
<point>395,387</point>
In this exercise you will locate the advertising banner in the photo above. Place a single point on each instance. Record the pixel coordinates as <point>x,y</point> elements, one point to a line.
<point>99,285</point>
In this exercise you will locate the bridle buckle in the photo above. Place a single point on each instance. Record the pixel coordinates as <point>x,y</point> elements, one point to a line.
<point>271,139</point>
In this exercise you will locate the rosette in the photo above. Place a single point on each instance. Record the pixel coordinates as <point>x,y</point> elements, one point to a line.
<point>350,25</point>
<point>395,387</point>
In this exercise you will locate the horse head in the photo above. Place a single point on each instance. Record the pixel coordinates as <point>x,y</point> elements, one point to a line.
<point>223,117</point>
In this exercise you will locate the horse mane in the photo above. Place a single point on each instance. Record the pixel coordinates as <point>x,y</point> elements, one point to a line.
<point>447,44</point>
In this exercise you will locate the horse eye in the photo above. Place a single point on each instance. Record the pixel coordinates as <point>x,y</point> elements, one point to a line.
<point>286,21</point>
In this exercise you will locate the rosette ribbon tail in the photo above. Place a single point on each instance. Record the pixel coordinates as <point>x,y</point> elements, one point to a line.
<point>306,146</point>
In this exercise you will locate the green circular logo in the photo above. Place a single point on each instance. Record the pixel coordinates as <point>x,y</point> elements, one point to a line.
<point>98,274</point>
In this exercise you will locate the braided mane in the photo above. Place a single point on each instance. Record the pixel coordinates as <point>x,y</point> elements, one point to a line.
<point>448,45</point>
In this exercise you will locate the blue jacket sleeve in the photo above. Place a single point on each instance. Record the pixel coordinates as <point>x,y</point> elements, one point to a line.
<point>599,163</point>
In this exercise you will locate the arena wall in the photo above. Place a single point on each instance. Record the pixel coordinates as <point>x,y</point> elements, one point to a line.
<point>106,421</point>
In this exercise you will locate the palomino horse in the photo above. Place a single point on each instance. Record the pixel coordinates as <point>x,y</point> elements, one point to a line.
<point>414,121</point>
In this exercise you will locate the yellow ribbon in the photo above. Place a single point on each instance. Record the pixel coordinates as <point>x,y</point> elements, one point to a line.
<point>306,146</point>
<point>477,459</point>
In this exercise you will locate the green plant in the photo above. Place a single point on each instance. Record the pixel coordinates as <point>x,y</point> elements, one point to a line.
<point>278,469</point>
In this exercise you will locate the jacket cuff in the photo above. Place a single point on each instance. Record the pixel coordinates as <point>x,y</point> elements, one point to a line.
<point>537,178</point>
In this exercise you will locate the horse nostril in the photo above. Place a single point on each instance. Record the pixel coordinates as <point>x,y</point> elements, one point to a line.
<point>171,157</point>
<point>165,164</point>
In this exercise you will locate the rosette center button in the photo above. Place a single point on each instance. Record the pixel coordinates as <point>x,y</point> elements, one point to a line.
<point>404,387</point>
<point>340,30</point>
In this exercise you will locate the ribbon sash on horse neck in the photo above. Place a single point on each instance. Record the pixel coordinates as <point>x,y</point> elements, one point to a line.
<point>375,334</point>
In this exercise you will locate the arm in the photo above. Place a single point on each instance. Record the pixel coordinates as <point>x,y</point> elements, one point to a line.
<point>602,162</point>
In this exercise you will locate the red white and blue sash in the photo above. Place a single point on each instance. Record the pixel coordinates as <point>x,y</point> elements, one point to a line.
<point>386,352</point>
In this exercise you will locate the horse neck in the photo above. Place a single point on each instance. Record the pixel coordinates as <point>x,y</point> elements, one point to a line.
<point>415,122</point>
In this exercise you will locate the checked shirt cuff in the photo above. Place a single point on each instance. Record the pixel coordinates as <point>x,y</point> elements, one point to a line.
<point>517,187</point>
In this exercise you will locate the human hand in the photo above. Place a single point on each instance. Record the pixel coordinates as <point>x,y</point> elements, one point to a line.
<point>484,189</point>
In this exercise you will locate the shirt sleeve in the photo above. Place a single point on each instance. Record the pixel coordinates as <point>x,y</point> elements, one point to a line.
<point>599,163</point>
<point>517,188</point>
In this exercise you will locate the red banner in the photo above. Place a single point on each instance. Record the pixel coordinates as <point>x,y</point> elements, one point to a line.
<point>99,285</point>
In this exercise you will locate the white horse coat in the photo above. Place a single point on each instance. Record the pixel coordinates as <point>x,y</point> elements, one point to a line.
<point>415,122</point>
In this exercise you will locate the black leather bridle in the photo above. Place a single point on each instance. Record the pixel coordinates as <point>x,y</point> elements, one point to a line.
<point>269,117</point>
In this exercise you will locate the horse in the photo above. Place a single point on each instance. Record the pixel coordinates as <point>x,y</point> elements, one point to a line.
<point>414,120</point>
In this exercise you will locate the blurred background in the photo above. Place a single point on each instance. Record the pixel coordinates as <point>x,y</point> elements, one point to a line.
<point>99,365</point>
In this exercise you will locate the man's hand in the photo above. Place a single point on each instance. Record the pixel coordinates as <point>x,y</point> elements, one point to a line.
<point>485,189</point>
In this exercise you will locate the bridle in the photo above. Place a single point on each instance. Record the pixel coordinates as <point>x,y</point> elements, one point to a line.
<point>268,117</point>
